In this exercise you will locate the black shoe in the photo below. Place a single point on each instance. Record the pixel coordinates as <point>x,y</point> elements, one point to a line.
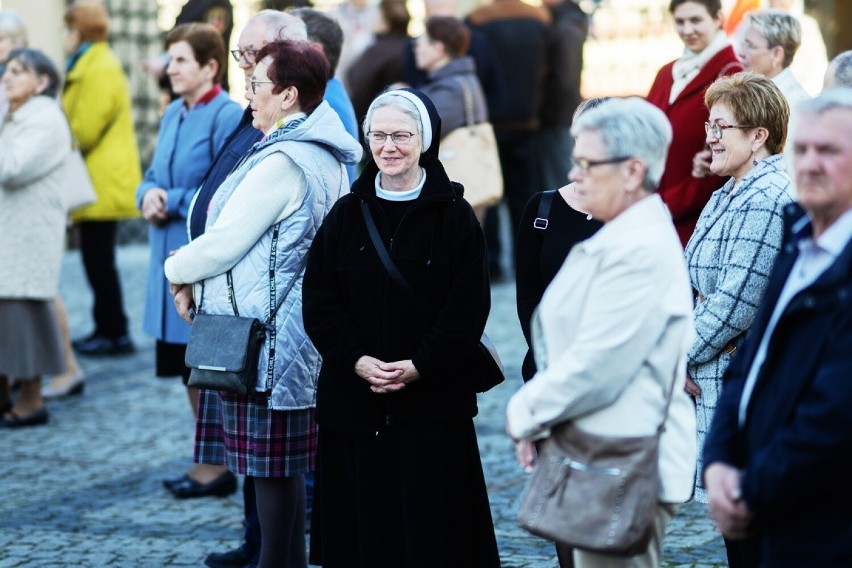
<point>223,485</point>
<point>237,557</point>
<point>36,418</point>
<point>96,345</point>
<point>170,482</point>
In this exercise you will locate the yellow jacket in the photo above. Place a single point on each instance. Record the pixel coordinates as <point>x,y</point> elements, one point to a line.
<point>97,101</point>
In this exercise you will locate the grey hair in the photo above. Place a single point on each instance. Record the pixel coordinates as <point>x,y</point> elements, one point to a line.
<point>12,26</point>
<point>398,102</point>
<point>839,72</point>
<point>281,26</point>
<point>631,127</point>
<point>588,104</point>
<point>780,28</point>
<point>829,99</point>
<point>36,62</point>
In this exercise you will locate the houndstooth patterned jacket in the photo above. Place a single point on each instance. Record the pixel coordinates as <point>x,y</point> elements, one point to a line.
<point>730,256</point>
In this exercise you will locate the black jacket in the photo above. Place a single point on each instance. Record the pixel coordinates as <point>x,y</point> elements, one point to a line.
<point>352,307</point>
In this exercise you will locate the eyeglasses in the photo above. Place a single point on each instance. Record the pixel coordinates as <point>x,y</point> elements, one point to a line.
<point>583,165</point>
<point>398,138</point>
<point>747,45</point>
<point>255,83</point>
<point>717,129</point>
<point>249,54</point>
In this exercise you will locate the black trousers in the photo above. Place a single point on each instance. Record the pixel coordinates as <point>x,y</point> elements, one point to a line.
<point>97,246</point>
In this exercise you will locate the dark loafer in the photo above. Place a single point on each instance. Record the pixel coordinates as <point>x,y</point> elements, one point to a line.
<point>236,558</point>
<point>36,418</point>
<point>98,345</point>
<point>170,482</point>
<point>223,485</point>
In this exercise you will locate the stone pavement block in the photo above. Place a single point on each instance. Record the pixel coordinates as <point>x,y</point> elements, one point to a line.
<point>86,489</point>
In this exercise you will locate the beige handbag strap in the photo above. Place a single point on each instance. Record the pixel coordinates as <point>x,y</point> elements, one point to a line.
<point>469,119</point>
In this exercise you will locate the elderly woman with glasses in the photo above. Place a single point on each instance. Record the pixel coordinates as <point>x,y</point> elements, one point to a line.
<point>399,478</point>
<point>771,39</point>
<point>738,234</point>
<point>250,260</point>
<point>613,328</point>
<point>35,141</point>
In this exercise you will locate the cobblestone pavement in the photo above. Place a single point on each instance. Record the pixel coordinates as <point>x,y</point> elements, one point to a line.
<point>85,490</point>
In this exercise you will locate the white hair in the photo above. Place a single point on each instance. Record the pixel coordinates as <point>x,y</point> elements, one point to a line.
<point>631,127</point>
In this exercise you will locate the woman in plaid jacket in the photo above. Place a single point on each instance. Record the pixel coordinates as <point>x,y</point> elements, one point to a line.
<point>738,235</point>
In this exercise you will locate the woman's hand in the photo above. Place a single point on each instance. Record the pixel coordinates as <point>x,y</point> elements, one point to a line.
<point>383,377</point>
<point>701,164</point>
<point>154,206</point>
<point>525,454</point>
<point>691,388</point>
<point>183,301</point>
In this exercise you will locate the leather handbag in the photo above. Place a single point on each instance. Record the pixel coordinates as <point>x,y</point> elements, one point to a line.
<point>489,368</point>
<point>223,350</point>
<point>595,493</point>
<point>469,155</point>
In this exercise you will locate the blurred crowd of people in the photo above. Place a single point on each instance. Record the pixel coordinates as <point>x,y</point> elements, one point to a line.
<point>680,258</point>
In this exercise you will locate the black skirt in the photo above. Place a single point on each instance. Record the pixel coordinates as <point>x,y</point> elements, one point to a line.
<point>411,495</point>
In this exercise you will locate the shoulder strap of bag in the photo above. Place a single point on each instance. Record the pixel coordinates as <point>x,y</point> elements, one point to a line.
<point>544,204</point>
<point>228,276</point>
<point>468,102</point>
<point>384,256</point>
<point>662,427</point>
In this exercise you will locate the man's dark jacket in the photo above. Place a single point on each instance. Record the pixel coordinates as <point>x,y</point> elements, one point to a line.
<point>795,448</point>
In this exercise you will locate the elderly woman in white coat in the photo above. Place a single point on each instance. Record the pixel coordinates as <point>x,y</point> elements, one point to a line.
<point>613,328</point>
<point>35,141</point>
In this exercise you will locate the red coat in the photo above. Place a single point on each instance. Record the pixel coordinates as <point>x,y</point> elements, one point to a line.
<point>685,195</point>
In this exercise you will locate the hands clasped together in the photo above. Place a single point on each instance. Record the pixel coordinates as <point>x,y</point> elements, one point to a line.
<point>386,377</point>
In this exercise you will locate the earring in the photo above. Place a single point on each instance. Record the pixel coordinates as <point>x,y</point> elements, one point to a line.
<point>754,162</point>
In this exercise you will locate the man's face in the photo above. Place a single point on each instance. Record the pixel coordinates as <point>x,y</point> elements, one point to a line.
<point>822,159</point>
<point>252,39</point>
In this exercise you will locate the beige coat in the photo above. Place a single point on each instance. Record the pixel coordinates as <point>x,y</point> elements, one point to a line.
<point>611,336</point>
<point>34,143</point>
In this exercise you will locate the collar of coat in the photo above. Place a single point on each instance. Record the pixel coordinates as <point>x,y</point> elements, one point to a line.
<point>438,186</point>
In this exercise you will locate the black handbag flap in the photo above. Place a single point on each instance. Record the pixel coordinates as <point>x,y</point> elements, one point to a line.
<point>218,342</point>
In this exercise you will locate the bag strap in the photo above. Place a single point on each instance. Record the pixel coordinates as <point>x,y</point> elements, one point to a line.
<point>662,427</point>
<point>384,256</point>
<point>544,204</point>
<point>468,102</point>
<point>232,297</point>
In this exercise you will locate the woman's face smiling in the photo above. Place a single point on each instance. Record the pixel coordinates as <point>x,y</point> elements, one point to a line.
<point>399,163</point>
<point>732,153</point>
<point>695,25</point>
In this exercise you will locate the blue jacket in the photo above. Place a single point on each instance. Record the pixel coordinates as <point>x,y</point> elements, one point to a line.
<point>187,143</point>
<point>795,448</point>
<point>335,95</point>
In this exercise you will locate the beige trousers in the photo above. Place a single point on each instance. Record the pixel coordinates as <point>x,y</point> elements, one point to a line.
<point>650,559</point>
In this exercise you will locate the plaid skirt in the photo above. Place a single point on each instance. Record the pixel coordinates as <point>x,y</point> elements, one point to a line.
<point>243,433</point>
